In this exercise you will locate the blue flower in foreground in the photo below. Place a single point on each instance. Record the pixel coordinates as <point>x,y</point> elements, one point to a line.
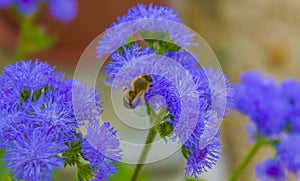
<point>178,80</point>
<point>37,121</point>
<point>64,11</point>
<point>142,11</point>
<point>270,170</point>
<point>33,154</point>
<point>101,148</point>
<point>143,22</point>
<point>202,159</point>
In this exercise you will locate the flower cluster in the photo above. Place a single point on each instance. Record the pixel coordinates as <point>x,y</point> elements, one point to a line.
<point>38,125</point>
<point>64,11</point>
<point>189,92</point>
<point>274,115</point>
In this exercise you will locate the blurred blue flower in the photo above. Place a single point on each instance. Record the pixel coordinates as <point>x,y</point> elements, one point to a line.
<point>64,11</point>
<point>33,154</point>
<point>288,152</point>
<point>270,170</point>
<point>266,112</point>
<point>289,92</point>
<point>5,3</point>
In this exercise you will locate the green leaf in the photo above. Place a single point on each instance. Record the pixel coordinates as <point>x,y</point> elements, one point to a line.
<point>164,129</point>
<point>72,155</point>
<point>32,39</point>
<point>184,152</point>
<point>4,173</point>
<point>25,94</point>
<point>160,42</point>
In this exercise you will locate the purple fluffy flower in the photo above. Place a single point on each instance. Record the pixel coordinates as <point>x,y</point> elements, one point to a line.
<point>289,153</point>
<point>143,22</point>
<point>64,11</point>
<point>5,3</point>
<point>101,147</point>
<point>270,170</point>
<point>33,154</point>
<point>37,121</point>
<point>267,112</point>
<point>199,160</point>
<point>187,91</point>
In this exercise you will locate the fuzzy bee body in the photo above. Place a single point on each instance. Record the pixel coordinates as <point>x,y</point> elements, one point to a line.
<point>135,96</point>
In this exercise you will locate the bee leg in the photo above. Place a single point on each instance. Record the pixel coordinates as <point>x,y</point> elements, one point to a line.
<point>124,88</point>
<point>142,99</point>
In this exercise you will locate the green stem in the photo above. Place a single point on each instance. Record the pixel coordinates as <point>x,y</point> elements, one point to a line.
<point>244,163</point>
<point>150,138</point>
<point>23,41</point>
<point>155,119</point>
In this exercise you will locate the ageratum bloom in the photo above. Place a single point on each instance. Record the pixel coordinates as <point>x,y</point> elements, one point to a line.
<point>38,124</point>
<point>266,112</point>
<point>289,153</point>
<point>154,23</point>
<point>184,89</point>
<point>33,154</point>
<point>270,170</point>
<point>64,11</point>
<point>101,147</point>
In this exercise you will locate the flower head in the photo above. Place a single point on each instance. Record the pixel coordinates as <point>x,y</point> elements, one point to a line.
<point>201,159</point>
<point>153,23</point>
<point>33,154</point>
<point>270,170</point>
<point>289,153</point>
<point>267,112</point>
<point>64,11</point>
<point>37,121</point>
<point>101,148</point>
<point>185,90</point>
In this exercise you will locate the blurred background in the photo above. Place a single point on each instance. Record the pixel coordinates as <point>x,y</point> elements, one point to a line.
<point>245,35</point>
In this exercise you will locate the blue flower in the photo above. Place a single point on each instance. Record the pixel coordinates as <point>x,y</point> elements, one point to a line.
<point>145,21</point>
<point>201,159</point>
<point>37,112</point>
<point>142,11</point>
<point>270,170</point>
<point>288,153</point>
<point>64,11</point>
<point>289,92</point>
<point>5,3</point>
<point>33,154</point>
<point>27,75</point>
<point>267,112</point>
<point>191,95</point>
<point>53,112</point>
<point>101,148</point>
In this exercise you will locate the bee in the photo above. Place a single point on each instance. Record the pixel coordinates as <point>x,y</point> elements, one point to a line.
<point>135,96</point>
